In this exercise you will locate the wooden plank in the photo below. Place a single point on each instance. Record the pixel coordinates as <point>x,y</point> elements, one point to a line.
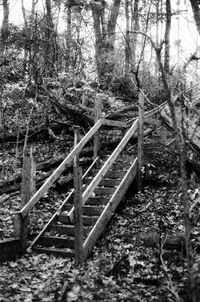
<point>97,200</point>
<point>65,253</point>
<point>40,193</point>
<point>87,220</point>
<point>55,215</point>
<point>89,190</point>
<point>140,140</point>
<point>109,210</point>
<point>109,162</point>
<point>78,215</point>
<point>104,191</point>
<point>10,249</point>
<point>68,230</point>
<point>27,190</point>
<point>156,110</point>
<point>92,210</point>
<point>57,242</point>
<point>98,105</point>
<point>111,123</point>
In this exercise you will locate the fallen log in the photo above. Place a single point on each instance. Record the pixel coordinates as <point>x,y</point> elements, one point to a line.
<point>62,107</point>
<point>36,133</point>
<point>175,242</point>
<point>9,186</point>
<point>118,113</point>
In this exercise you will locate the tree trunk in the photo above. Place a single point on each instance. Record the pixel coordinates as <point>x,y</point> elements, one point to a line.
<point>134,29</point>
<point>167,35</point>
<point>4,27</point>
<point>27,35</point>
<point>196,12</point>
<point>104,40</point>
<point>68,40</point>
<point>50,37</point>
<point>127,42</point>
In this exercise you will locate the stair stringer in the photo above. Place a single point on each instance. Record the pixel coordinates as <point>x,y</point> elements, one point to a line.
<point>109,210</point>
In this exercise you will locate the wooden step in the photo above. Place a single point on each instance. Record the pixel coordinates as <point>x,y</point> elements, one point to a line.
<point>114,174</point>
<point>104,190</point>
<point>97,200</point>
<point>60,242</point>
<point>92,210</point>
<point>89,210</point>
<point>87,220</point>
<point>68,230</point>
<point>105,182</point>
<point>65,253</point>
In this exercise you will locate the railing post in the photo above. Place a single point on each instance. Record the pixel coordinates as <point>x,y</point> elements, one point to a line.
<point>140,140</point>
<point>78,204</point>
<point>27,191</point>
<point>98,104</point>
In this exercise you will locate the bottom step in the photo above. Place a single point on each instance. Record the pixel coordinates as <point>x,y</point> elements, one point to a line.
<point>56,252</point>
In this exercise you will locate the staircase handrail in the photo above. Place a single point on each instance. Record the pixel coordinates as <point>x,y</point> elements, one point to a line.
<point>58,171</point>
<point>94,183</point>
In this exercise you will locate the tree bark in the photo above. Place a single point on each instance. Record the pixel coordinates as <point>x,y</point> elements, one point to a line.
<point>196,13</point>
<point>104,40</point>
<point>167,36</point>
<point>127,42</point>
<point>50,43</point>
<point>4,27</point>
<point>134,29</point>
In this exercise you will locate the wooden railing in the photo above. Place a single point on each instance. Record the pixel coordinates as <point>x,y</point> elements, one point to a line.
<point>21,215</point>
<point>56,174</point>
<point>92,186</point>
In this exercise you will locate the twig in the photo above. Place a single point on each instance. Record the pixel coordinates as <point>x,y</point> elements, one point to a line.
<point>170,285</point>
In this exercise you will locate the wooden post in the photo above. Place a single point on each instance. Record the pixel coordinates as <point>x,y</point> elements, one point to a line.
<point>27,191</point>
<point>140,140</point>
<point>78,215</point>
<point>98,105</point>
<point>76,140</point>
<point>78,205</point>
<point>163,133</point>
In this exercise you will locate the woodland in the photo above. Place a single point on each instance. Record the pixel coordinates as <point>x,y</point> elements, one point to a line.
<point>55,66</point>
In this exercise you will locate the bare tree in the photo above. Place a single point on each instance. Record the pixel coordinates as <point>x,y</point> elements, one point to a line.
<point>196,12</point>
<point>105,39</point>
<point>4,27</point>
<point>50,55</point>
<point>167,35</point>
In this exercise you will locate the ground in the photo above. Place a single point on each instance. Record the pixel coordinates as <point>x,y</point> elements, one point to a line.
<point>123,267</point>
<point>125,264</point>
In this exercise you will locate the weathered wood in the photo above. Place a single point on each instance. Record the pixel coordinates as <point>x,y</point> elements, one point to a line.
<point>40,193</point>
<point>14,184</point>
<point>152,121</point>
<point>28,189</point>
<point>109,162</point>
<point>109,209</point>
<point>140,140</point>
<point>57,213</point>
<point>9,249</point>
<point>110,123</point>
<point>98,105</point>
<point>118,113</point>
<point>88,192</point>
<point>76,140</point>
<point>57,241</point>
<point>78,215</point>
<point>65,253</point>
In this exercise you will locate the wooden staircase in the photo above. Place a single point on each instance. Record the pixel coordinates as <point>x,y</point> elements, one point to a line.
<point>58,236</point>
<point>104,185</point>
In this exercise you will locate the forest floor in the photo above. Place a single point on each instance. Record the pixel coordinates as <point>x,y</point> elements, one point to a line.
<point>126,263</point>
